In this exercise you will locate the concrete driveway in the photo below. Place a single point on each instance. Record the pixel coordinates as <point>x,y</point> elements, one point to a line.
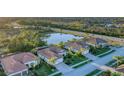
<point>91,56</point>
<point>63,68</point>
<point>86,69</point>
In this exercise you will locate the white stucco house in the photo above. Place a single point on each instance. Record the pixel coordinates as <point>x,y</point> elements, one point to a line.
<point>50,56</point>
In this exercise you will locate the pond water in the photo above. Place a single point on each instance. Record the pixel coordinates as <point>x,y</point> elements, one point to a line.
<point>56,38</point>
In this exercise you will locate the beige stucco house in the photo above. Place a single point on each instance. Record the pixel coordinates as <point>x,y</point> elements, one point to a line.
<point>18,64</point>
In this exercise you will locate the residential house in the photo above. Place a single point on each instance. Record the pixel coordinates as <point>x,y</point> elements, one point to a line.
<point>96,42</point>
<point>50,56</point>
<point>57,50</point>
<point>120,68</point>
<point>78,46</point>
<point>18,64</point>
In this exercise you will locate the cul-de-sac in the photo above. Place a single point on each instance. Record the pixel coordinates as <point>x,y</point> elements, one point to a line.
<point>61,46</point>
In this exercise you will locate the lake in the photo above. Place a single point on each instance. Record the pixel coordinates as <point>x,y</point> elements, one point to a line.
<point>56,38</point>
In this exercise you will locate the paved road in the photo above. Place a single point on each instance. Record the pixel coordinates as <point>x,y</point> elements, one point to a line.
<point>84,70</point>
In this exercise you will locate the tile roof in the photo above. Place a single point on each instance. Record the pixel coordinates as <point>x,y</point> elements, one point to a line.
<point>12,66</point>
<point>15,63</point>
<point>25,57</point>
<point>56,49</point>
<point>48,53</point>
<point>77,45</point>
<point>95,40</point>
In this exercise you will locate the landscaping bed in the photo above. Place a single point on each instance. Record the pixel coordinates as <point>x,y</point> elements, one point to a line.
<point>43,69</point>
<point>74,59</point>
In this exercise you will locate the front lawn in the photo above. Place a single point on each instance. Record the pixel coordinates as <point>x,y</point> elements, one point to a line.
<point>81,64</point>
<point>104,54</point>
<point>97,51</point>
<point>74,59</point>
<point>43,69</point>
<point>94,72</point>
<point>111,63</point>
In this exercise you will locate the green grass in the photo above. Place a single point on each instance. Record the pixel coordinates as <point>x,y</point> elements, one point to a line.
<point>43,70</point>
<point>110,63</point>
<point>2,73</point>
<point>93,72</point>
<point>106,53</point>
<point>74,60</point>
<point>98,51</point>
<point>84,63</point>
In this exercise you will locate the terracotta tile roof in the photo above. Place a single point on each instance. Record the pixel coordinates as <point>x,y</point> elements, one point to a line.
<point>25,57</point>
<point>15,63</point>
<point>76,45</point>
<point>12,66</point>
<point>83,44</point>
<point>48,53</point>
<point>56,49</point>
<point>95,40</point>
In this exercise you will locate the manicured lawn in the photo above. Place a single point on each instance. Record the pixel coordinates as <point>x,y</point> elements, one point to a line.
<point>74,59</point>
<point>93,72</point>
<point>82,64</point>
<point>98,51</point>
<point>106,53</point>
<point>110,63</point>
<point>43,69</point>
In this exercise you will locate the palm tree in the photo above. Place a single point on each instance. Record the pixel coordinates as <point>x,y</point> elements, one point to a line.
<point>110,73</point>
<point>119,60</point>
<point>52,60</point>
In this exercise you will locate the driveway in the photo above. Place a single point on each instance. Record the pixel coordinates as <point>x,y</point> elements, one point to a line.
<point>63,68</point>
<point>90,56</point>
<point>104,67</point>
<point>84,70</point>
